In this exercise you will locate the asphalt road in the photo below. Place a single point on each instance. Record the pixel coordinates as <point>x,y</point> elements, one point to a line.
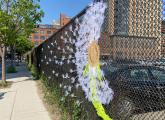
<point>0,67</point>
<point>0,70</point>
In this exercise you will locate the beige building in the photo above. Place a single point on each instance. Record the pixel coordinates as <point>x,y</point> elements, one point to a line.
<point>134,27</point>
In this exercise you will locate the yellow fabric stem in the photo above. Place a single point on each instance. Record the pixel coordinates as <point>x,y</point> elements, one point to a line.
<point>99,72</point>
<point>100,110</point>
<point>98,106</point>
<point>86,70</point>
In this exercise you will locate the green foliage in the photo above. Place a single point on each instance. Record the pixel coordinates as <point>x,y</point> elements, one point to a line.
<point>23,45</point>
<point>76,111</point>
<point>29,62</point>
<point>29,67</point>
<point>34,72</point>
<point>18,18</point>
<point>53,96</point>
<point>11,69</point>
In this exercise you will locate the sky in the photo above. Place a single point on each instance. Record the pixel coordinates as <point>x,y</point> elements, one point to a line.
<point>53,8</point>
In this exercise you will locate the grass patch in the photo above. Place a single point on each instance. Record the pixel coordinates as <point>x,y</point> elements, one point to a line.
<point>69,108</point>
<point>11,69</point>
<point>52,102</point>
<point>5,85</point>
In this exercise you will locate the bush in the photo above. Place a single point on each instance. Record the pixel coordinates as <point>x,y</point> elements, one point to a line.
<point>52,98</point>
<point>34,72</point>
<point>29,66</point>
<point>70,108</point>
<point>11,69</point>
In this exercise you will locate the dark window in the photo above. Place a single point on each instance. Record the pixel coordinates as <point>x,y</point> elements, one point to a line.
<point>139,74</point>
<point>134,44</point>
<point>42,37</point>
<point>49,32</point>
<point>158,74</point>
<point>35,37</point>
<point>130,44</point>
<point>121,43</point>
<point>126,44</point>
<point>36,43</point>
<point>36,32</point>
<point>42,32</point>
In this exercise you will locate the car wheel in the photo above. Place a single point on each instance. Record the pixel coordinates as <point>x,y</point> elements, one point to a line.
<point>122,109</point>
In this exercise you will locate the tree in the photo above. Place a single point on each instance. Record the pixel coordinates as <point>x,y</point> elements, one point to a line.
<point>17,18</point>
<point>23,45</point>
<point>4,30</point>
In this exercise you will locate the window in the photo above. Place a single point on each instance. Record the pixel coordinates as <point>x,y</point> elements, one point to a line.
<point>47,37</point>
<point>130,44</point>
<point>134,44</point>
<point>35,37</point>
<point>49,32</point>
<point>35,44</point>
<point>126,44</point>
<point>42,38</point>
<point>36,32</point>
<point>42,32</point>
<point>116,43</point>
<point>138,44</point>
<point>158,74</point>
<point>121,44</point>
<point>139,74</point>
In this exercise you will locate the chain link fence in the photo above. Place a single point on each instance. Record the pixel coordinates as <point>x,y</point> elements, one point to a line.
<point>132,57</point>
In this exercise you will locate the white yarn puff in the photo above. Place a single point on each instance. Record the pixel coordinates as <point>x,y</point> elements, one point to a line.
<point>89,31</point>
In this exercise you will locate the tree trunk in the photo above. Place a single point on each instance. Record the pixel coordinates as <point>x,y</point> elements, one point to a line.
<point>20,58</point>
<point>4,65</point>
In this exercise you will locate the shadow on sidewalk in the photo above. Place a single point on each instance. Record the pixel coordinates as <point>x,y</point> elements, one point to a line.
<point>2,95</point>
<point>28,79</point>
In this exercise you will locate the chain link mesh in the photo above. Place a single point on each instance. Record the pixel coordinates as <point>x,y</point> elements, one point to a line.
<point>132,45</point>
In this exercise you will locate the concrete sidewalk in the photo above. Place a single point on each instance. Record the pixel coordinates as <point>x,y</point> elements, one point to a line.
<point>21,101</point>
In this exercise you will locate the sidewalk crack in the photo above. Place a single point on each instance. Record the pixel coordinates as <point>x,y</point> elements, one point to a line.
<point>13,105</point>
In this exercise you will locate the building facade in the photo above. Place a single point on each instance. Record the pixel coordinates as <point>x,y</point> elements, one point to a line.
<point>163,39</point>
<point>42,32</point>
<point>134,29</point>
<point>64,19</point>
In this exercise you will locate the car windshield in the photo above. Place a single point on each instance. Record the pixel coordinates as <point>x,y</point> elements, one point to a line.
<point>162,60</point>
<point>107,70</point>
<point>158,74</point>
<point>139,74</point>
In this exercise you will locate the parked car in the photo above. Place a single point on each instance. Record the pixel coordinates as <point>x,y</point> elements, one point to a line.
<point>137,89</point>
<point>160,63</point>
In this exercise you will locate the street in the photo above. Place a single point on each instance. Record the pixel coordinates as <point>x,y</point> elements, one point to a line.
<point>0,71</point>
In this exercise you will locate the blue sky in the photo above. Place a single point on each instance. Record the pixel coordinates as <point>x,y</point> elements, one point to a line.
<point>53,8</point>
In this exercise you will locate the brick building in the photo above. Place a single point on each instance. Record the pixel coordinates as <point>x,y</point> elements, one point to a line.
<point>42,32</point>
<point>134,29</point>
<point>163,38</point>
<point>64,19</point>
